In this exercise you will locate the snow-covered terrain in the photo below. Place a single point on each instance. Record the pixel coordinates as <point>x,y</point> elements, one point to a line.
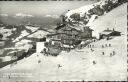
<point>15,40</point>
<point>6,58</point>
<point>5,32</point>
<point>81,10</point>
<point>23,33</point>
<point>77,64</point>
<point>23,44</point>
<point>85,9</point>
<point>111,19</point>
<point>84,64</point>
<point>38,34</point>
<point>33,29</point>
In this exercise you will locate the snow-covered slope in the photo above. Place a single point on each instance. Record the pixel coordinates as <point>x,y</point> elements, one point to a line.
<point>85,9</point>
<point>114,19</point>
<point>23,33</point>
<point>5,32</point>
<point>81,10</point>
<point>33,29</point>
<point>77,64</point>
<point>18,38</point>
<point>97,17</point>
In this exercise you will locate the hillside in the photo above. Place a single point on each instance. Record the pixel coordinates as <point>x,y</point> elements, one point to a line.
<point>79,63</point>
<point>86,16</point>
<point>19,40</point>
<point>113,19</point>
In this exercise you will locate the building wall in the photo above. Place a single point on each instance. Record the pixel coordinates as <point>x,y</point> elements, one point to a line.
<point>39,47</point>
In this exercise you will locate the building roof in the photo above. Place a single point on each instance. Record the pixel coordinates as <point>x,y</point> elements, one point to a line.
<point>78,28</point>
<point>75,27</point>
<point>87,28</point>
<point>106,32</point>
<point>58,34</point>
<point>59,27</point>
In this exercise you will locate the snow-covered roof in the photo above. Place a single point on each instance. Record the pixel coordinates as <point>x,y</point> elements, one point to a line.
<point>106,32</point>
<point>38,34</point>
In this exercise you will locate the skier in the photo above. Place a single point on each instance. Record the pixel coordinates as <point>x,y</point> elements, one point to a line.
<point>110,54</point>
<point>94,62</point>
<point>109,45</point>
<point>39,61</point>
<point>102,46</point>
<point>92,50</point>
<point>59,66</point>
<point>113,53</point>
<point>102,53</point>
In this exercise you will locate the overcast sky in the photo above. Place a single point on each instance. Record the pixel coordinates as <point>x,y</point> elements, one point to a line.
<point>40,7</point>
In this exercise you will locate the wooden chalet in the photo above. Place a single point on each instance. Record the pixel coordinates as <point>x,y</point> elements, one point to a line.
<point>108,33</point>
<point>70,35</point>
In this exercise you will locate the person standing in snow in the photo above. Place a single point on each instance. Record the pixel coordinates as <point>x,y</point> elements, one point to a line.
<point>94,40</point>
<point>102,53</point>
<point>59,66</point>
<point>110,54</point>
<point>88,46</point>
<point>113,53</point>
<point>109,45</point>
<point>39,61</point>
<point>94,62</point>
<point>102,46</point>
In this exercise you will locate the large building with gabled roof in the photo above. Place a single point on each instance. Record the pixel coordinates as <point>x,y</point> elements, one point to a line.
<point>69,35</point>
<point>108,33</point>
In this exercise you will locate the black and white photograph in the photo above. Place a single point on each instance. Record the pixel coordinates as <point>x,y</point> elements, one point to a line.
<point>63,41</point>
